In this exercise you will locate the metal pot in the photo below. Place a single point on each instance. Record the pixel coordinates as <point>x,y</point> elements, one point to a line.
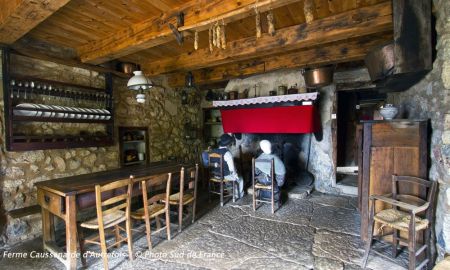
<point>318,77</point>
<point>234,94</point>
<point>380,62</point>
<point>128,68</point>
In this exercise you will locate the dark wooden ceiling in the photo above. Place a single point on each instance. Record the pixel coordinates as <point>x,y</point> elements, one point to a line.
<point>80,23</point>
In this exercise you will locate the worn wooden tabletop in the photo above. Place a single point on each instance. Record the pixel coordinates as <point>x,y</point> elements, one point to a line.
<point>86,182</point>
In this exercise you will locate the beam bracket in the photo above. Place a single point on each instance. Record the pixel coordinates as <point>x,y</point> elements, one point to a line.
<point>180,22</point>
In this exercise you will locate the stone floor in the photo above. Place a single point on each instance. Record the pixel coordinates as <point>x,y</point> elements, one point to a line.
<point>318,232</point>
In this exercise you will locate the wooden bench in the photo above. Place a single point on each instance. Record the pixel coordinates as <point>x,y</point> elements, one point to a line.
<point>25,211</point>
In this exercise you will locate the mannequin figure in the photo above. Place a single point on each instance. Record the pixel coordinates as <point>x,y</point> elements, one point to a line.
<point>263,169</point>
<point>230,172</point>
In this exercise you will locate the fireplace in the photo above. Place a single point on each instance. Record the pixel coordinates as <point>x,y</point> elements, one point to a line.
<point>293,149</point>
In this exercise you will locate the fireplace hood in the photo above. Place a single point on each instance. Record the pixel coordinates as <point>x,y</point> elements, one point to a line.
<point>285,114</point>
<point>397,65</point>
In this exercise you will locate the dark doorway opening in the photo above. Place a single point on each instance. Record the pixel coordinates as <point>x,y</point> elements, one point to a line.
<point>353,107</point>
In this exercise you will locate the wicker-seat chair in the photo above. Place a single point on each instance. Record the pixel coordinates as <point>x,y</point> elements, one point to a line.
<point>409,214</point>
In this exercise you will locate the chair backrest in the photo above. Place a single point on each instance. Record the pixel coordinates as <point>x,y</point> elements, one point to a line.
<point>429,186</point>
<point>267,161</point>
<point>121,200</point>
<point>153,184</point>
<point>215,161</point>
<point>191,178</point>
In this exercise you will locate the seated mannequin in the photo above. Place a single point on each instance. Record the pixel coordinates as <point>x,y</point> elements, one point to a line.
<point>230,172</point>
<point>262,170</point>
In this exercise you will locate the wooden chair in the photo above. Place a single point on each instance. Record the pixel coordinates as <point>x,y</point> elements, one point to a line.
<point>110,213</point>
<point>409,214</point>
<point>218,179</point>
<point>154,206</point>
<point>260,186</point>
<point>186,196</point>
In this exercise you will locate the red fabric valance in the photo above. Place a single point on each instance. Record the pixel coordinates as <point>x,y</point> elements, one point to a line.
<point>288,119</point>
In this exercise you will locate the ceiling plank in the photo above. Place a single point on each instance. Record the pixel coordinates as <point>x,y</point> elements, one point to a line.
<point>351,24</point>
<point>18,17</point>
<point>332,53</point>
<point>155,31</point>
<point>36,54</point>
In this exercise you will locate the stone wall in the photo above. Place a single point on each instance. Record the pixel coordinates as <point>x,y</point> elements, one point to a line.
<point>166,118</point>
<point>430,99</point>
<point>162,113</point>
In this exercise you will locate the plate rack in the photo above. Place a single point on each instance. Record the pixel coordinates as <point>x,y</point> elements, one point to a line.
<point>31,99</point>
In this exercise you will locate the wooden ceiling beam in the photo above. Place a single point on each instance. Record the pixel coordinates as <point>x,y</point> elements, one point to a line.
<point>36,54</point>
<point>355,23</point>
<point>333,53</point>
<point>155,31</point>
<point>18,17</point>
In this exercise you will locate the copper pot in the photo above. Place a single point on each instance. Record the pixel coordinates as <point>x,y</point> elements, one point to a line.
<point>234,94</point>
<point>318,77</point>
<point>128,68</point>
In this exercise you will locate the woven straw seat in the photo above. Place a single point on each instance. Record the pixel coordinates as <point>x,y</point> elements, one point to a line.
<point>175,198</point>
<point>109,220</point>
<point>153,211</point>
<point>399,220</point>
<point>261,186</point>
<point>218,180</point>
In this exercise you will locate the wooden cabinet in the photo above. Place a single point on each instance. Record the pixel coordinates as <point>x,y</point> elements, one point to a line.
<point>134,148</point>
<point>387,148</point>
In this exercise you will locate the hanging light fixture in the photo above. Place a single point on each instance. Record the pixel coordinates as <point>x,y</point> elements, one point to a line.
<point>139,82</point>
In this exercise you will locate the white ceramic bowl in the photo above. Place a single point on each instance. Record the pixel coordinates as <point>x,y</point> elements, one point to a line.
<point>389,112</point>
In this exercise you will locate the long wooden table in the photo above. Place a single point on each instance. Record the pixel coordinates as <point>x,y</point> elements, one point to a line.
<point>59,198</point>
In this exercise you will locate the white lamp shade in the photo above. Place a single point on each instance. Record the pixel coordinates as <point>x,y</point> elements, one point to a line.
<point>139,81</point>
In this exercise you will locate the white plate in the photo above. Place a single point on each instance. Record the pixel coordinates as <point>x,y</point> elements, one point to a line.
<point>71,111</point>
<point>84,113</point>
<point>23,112</point>
<point>50,107</point>
<point>40,113</point>
<point>59,114</point>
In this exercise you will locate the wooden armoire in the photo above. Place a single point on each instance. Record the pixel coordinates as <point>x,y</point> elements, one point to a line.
<point>385,148</point>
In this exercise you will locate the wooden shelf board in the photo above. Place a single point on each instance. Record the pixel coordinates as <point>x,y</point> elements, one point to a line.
<point>133,162</point>
<point>53,83</point>
<point>17,118</point>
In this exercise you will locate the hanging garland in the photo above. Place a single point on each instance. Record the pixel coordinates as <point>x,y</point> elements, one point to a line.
<point>270,24</point>
<point>308,9</point>
<point>196,40</point>
<point>211,41</point>
<point>258,23</point>
<point>223,37</point>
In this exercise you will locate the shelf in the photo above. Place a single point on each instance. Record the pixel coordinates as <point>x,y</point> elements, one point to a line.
<point>17,118</point>
<point>34,79</point>
<point>133,162</point>
<point>14,115</point>
<point>26,143</point>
